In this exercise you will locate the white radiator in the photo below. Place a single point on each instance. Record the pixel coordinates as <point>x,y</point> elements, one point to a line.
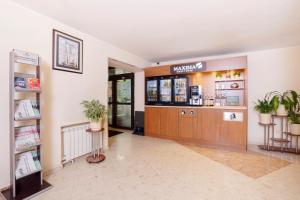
<point>75,141</point>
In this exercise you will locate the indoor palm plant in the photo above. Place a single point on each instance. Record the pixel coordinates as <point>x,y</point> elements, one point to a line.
<point>282,103</point>
<point>294,119</point>
<point>264,107</point>
<point>95,112</point>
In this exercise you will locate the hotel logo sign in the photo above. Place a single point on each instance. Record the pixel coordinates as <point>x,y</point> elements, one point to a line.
<point>188,68</point>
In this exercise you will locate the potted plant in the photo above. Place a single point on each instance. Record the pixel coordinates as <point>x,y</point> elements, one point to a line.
<point>237,74</point>
<point>282,103</point>
<point>219,75</point>
<point>294,119</point>
<point>265,109</point>
<point>95,112</point>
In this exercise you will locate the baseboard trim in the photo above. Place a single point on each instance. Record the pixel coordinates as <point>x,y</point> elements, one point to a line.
<point>4,188</point>
<point>52,171</point>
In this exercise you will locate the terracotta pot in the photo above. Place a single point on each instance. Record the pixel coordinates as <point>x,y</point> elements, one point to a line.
<point>265,118</point>
<point>96,125</point>
<point>295,129</point>
<point>281,111</point>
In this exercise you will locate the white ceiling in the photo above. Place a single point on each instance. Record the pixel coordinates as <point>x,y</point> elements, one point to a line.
<point>160,30</point>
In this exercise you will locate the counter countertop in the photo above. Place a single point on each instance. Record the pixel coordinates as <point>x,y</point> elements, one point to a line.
<point>204,107</point>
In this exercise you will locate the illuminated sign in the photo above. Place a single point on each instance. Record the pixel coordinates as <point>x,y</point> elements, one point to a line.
<point>188,68</point>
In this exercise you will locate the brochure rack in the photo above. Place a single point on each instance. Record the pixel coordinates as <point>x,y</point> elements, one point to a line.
<point>25,183</point>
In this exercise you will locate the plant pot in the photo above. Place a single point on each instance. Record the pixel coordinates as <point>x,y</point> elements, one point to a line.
<point>295,129</point>
<point>96,125</point>
<point>265,118</point>
<point>281,111</point>
<point>237,77</point>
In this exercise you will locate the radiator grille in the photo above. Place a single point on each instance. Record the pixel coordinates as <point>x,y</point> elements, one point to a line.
<point>76,141</point>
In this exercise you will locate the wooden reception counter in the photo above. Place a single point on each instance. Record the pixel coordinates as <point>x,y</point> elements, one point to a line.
<point>200,125</point>
<point>219,126</point>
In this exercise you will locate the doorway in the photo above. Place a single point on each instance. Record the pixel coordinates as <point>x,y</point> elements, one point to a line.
<point>120,99</point>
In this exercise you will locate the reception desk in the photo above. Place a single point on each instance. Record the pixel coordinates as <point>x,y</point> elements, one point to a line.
<point>223,82</point>
<point>213,126</point>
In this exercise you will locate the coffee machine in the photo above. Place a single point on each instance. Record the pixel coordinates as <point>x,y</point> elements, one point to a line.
<point>196,95</point>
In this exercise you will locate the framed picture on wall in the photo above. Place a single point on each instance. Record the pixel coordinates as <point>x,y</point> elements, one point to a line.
<point>67,52</point>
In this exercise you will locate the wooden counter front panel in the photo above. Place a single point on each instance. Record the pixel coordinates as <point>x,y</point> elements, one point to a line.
<point>204,126</point>
<point>187,123</point>
<point>234,133</point>
<point>152,121</point>
<point>169,122</point>
<point>209,130</point>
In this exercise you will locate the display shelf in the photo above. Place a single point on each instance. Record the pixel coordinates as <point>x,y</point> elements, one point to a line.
<point>279,149</point>
<point>224,81</point>
<point>289,133</point>
<point>271,124</point>
<point>27,90</point>
<point>31,184</point>
<point>28,148</point>
<point>280,140</point>
<point>33,172</point>
<point>231,89</point>
<point>29,192</point>
<point>28,118</point>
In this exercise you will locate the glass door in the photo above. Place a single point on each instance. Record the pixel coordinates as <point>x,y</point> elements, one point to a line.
<point>151,91</point>
<point>180,90</point>
<point>165,89</point>
<point>110,100</point>
<point>121,108</point>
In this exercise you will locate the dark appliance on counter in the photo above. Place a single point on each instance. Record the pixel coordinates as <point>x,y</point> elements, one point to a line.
<point>196,95</point>
<point>167,90</point>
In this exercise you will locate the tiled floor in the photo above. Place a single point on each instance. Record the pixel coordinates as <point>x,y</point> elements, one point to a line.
<point>250,163</point>
<point>139,168</point>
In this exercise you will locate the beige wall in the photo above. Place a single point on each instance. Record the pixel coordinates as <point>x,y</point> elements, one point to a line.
<point>275,69</point>
<point>139,99</point>
<point>62,91</point>
<point>270,70</point>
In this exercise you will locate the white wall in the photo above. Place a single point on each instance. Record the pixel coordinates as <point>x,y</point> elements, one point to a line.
<point>275,69</point>
<point>62,92</point>
<point>139,91</point>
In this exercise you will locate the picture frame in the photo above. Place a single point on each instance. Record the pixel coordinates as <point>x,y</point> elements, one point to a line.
<point>67,52</point>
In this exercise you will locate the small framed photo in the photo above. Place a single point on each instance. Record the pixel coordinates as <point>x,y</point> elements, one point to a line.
<point>67,52</point>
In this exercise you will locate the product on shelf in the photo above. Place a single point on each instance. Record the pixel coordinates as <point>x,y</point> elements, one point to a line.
<point>26,109</point>
<point>20,82</point>
<point>27,163</point>
<point>26,136</point>
<point>33,83</point>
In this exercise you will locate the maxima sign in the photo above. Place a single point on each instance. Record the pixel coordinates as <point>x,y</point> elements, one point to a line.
<point>188,68</point>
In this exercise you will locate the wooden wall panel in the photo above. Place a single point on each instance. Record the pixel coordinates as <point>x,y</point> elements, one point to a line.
<point>206,126</point>
<point>211,65</point>
<point>187,123</point>
<point>169,122</point>
<point>157,71</point>
<point>152,121</point>
<point>210,129</point>
<point>234,133</point>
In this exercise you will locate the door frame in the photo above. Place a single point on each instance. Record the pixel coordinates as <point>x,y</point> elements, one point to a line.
<point>114,103</point>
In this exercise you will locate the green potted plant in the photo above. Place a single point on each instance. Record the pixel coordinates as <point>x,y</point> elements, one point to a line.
<point>237,74</point>
<point>282,103</point>
<point>95,112</point>
<point>294,119</point>
<point>219,75</point>
<point>265,109</point>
